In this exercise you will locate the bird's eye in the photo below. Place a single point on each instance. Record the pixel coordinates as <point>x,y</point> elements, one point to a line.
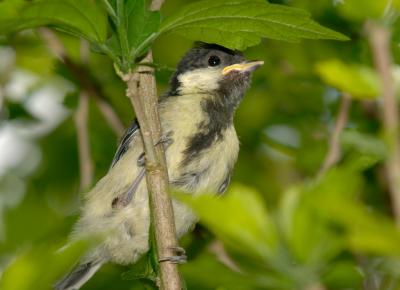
<point>214,60</point>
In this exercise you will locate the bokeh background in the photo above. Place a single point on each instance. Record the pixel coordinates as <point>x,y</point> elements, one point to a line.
<point>330,232</point>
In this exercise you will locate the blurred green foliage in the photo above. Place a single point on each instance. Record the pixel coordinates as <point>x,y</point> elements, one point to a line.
<point>359,81</point>
<point>235,25</point>
<point>284,225</point>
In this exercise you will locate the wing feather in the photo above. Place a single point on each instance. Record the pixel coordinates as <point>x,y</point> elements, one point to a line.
<point>126,140</point>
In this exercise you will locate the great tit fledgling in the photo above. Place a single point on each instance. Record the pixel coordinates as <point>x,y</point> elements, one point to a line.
<point>197,118</point>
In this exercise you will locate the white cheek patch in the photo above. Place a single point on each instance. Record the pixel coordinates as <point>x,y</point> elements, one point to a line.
<point>200,80</point>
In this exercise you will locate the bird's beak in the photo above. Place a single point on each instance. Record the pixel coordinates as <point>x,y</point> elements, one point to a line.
<point>243,67</point>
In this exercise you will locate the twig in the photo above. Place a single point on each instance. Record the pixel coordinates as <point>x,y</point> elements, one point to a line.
<point>218,249</point>
<point>81,123</point>
<point>144,99</point>
<point>4,78</point>
<point>142,92</point>
<point>110,10</point>
<point>379,38</point>
<point>114,122</point>
<point>334,152</point>
<point>2,99</point>
<point>82,76</point>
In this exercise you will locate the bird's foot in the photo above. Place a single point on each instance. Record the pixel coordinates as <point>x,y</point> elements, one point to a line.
<point>166,140</point>
<point>178,250</point>
<point>179,258</point>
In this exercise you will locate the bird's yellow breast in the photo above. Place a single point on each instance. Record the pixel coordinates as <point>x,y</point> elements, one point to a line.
<point>183,115</point>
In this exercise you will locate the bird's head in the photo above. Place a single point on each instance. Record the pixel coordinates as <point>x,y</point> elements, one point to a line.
<point>214,70</point>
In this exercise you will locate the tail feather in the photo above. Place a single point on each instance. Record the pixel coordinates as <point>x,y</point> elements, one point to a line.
<point>78,276</point>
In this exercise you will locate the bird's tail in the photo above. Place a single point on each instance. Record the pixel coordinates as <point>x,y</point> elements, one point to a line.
<point>79,276</point>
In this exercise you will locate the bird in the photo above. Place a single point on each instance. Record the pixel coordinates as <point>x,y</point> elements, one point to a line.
<point>201,147</point>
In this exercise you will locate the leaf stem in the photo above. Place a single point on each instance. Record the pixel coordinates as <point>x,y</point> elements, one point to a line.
<point>122,35</point>
<point>85,80</point>
<point>110,11</point>
<point>333,155</point>
<point>139,50</point>
<point>81,124</point>
<point>104,48</point>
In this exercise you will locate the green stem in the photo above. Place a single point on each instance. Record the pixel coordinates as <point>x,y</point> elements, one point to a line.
<point>122,35</point>
<point>110,11</point>
<point>104,48</point>
<point>153,251</point>
<point>140,49</point>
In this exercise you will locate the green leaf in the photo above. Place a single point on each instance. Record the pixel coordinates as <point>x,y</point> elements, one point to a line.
<point>365,231</point>
<point>239,219</point>
<point>222,278</point>
<point>303,206</point>
<point>71,101</point>
<point>343,275</point>
<point>240,24</point>
<point>364,143</point>
<point>31,264</point>
<point>308,245</point>
<point>360,81</point>
<point>18,111</point>
<point>142,26</point>
<point>142,23</point>
<point>362,10</point>
<point>140,270</point>
<point>35,57</point>
<point>82,18</point>
<point>9,9</point>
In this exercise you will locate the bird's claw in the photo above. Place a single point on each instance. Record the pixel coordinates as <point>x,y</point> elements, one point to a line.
<point>123,200</point>
<point>178,250</point>
<point>166,140</point>
<point>174,259</point>
<point>179,258</point>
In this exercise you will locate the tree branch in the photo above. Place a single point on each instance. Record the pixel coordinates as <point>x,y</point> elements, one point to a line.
<point>217,248</point>
<point>142,92</point>
<point>143,95</point>
<point>81,75</point>
<point>2,99</point>
<point>4,78</point>
<point>111,117</point>
<point>85,160</point>
<point>81,123</point>
<point>379,38</point>
<point>334,152</point>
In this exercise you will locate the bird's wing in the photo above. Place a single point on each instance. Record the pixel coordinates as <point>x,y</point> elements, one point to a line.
<point>79,276</point>
<point>126,140</point>
<point>125,198</point>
